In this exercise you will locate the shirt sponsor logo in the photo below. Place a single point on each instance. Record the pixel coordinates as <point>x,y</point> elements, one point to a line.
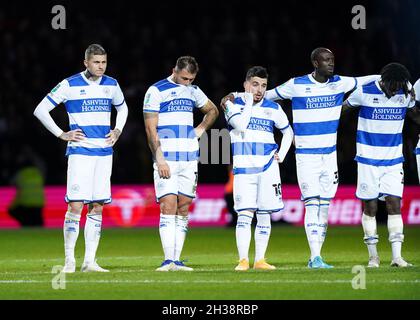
<point>320,102</point>
<point>260,124</point>
<point>92,105</point>
<point>388,114</point>
<point>183,105</point>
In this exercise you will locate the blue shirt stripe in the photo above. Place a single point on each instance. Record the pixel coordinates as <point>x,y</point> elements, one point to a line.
<point>376,162</point>
<point>77,81</point>
<point>371,88</point>
<point>88,105</point>
<point>382,113</point>
<point>92,131</point>
<point>302,80</point>
<point>52,101</point>
<point>165,84</point>
<point>315,128</point>
<point>317,102</point>
<point>178,132</point>
<point>253,170</point>
<point>253,148</point>
<point>261,124</point>
<point>89,151</point>
<point>326,150</point>
<point>108,81</point>
<point>177,105</point>
<point>379,139</point>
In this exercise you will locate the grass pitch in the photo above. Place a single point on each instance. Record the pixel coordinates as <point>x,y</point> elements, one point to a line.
<point>28,256</point>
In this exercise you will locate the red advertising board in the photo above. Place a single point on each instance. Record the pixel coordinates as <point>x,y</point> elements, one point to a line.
<point>135,206</point>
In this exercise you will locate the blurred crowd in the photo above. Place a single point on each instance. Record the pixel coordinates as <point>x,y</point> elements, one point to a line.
<point>226,37</point>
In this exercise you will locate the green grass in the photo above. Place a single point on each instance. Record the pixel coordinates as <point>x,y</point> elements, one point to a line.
<point>27,258</point>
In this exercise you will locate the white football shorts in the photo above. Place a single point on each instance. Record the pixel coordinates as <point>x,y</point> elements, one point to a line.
<point>258,191</point>
<point>183,180</point>
<point>379,181</point>
<point>89,178</point>
<point>317,175</point>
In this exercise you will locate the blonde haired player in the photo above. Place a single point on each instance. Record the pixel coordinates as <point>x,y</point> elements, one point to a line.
<point>88,97</point>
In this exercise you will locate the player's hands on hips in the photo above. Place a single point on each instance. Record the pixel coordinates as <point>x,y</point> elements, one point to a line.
<point>113,136</point>
<point>163,170</point>
<point>73,135</point>
<point>230,97</point>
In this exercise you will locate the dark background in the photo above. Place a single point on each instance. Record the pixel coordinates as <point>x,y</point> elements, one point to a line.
<point>143,41</point>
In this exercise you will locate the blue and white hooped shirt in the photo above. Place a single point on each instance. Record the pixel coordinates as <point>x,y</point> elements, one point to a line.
<point>175,104</point>
<point>379,139</point>
<point>88,105</point>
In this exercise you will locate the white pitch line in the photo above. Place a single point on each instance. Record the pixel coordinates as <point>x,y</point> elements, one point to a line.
<point>4,261</point>
<point>278,281</point>
<point>196,270</point>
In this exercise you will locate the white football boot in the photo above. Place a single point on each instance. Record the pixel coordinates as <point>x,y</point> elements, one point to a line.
<point>69,266</point>
<point>92,267</point>
<point>373,262</point>
<point>400,262</point>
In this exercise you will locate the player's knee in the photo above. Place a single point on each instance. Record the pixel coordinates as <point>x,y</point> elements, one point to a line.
<point>393,205</point>
<point>168,208</point>
<point>96,208</point>
<point>75,207</point>
<point>370,208</point>
<point>184,207</point>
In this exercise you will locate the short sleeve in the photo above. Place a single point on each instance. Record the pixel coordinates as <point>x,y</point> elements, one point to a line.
<point>152,100</point>
<point>200,97</point>
<point>355,98</point>
<point>285,90</point>
<point>59,93</point>
<point>232,110</point>
<point>349,83</point>
<point>118,97</point>
<point>281,121</point>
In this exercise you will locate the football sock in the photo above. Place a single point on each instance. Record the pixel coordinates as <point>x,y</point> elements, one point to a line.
<point>181,230</point>
<point>396,236</point>
<point>92,235</point>
<point>71,232</point>
<point>262,234</point>
<point>371,236</point>
<point>243,233</point>
<point>167,235</point>
<point>311,226</point>
<point>324,205</point>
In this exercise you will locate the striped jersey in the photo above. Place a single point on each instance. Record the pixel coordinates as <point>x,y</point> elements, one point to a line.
<point>88,105</point>
<point>316,109</point>
<point>175,104</point>
<point>417,90</point>
<point>379,129</point>
<point>253,150</point>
